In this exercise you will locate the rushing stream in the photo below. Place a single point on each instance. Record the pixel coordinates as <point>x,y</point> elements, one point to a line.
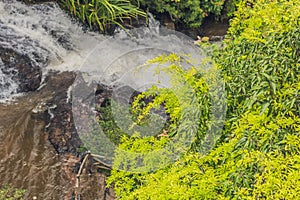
<point>44,38</point>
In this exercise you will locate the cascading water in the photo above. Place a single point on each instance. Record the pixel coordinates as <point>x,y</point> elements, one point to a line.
<point>8,86</point>
<point>50,40</point>
<point>45,38</point>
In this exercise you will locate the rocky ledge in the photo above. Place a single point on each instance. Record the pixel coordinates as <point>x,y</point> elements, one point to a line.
<point>50,105</point>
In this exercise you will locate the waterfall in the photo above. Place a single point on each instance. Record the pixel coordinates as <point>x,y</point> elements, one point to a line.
<point>44,38</point>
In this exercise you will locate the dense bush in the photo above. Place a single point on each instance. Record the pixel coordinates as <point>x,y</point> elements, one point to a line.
<point>258,156</point>
<point>105,14</point>
<point>261,59</point>
<point>188,12</point>
<point>189,101</point>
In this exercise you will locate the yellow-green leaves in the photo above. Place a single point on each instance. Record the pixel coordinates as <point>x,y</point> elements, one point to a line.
<point>258,156</point>
<point>257,19</point>
<point>261,57</point>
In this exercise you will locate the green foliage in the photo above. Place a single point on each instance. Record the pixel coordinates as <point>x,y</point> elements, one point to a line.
<point>259,154</point>
<point>136,154</point>
<point>102,14</point>
<point>108,124</point>
<point>10,193</point>
<point>272,146</point>
<point>189,12</point>
<point>230,6</point>
<point>188,101</point>
<point>114,122</point>
<point>252,164</point>
<point>261,59</point>
<point>104,132</point>
<point>117,120</point>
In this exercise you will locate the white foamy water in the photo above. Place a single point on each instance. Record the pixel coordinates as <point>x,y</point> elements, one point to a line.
<point>50,38</point>
<point>8,86</point>
<point>44,33</point>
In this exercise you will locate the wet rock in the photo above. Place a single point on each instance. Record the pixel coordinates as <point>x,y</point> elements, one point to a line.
<point>26,74</point>
<point>103,93</point>
<point>62,134</point>
<point>91,182</point>
<point>167,22</point>
<point>213,29</point>
<point>61,129</point>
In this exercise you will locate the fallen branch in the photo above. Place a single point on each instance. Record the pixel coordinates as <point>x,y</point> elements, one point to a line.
<point>77,185</point>
<point>102,163</point>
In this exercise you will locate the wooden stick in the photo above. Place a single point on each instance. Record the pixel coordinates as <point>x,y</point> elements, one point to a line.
<point>102,167</point>
<point>77,185</point>
<point>82,164</point>
<point>98,156</point>
<point>102,163</point>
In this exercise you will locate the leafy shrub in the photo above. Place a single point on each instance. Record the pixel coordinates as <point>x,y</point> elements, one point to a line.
<point>188,101</point>
<point>229,8</point>
<point>233,170</point>
<point>261,59</point>
<point>189,12</point>
<point>259,154</point>
<point>108,124</point>
<point>128,170</point>
<point>102,14</point>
